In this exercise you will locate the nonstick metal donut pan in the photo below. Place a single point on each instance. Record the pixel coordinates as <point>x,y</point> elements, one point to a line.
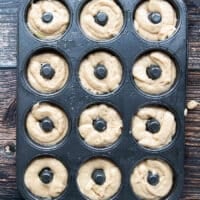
<point>127,100</point>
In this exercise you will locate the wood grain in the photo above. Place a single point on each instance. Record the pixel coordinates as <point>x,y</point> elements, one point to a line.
<point>191,189</point>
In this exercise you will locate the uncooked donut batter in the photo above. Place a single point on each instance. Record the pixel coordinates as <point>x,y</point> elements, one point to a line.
<point>46,124</point>
<point>47,72</point>
<point>155,20</point>
<point>153,127</point>
<point>100,73</point>
<point>152,180</point>
<point>101,19</point>
<point>100,125</point>
<point>191,105</point>
<point>154,73</point>
<point>48,19</point>
<point>46,178</point>
<point>99,179</point>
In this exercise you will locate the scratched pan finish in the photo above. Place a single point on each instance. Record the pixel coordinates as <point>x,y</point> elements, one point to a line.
<point>73,99</point>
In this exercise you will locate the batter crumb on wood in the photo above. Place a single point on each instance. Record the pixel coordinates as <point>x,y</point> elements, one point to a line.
<point>185,112</point>
<point>191,105</point>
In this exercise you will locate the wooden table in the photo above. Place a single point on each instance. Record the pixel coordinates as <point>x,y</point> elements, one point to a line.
<point>8,189</point>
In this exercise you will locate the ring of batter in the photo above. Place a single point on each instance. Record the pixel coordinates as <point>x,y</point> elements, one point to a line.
<point>110,28</point>
<point>100,125</point>
<point>37,187</point>
<point>42,115</point>
<point>155,20</point>
<point>90,188</point>
<point>152,179</point>
<point>107,82</point>
<point>48,19</point>
<point>153,117</point>
<point>158,84</point>
<point>45,84</point>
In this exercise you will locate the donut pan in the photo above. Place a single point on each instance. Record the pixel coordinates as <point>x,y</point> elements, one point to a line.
<point>126,153</point>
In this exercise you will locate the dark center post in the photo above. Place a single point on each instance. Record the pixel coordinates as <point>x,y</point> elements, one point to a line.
<point>154,72</point>
<point>153,179</point>
<point>47,71</point>
<point>47,17</point>
<point>98,176</point>
<point>155,17</point>
<point>100,72</point>
<point>101,18</point>
<point>46,124</point>
<point>46,175</point>
<point>152,125</point>
<point>100,124</point>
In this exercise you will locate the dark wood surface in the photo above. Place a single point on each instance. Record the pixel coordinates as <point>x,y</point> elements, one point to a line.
<point>8,189</point>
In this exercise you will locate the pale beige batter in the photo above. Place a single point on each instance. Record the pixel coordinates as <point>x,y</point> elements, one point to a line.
<point>94,191</point>
<point>95,138</point>
<point>159,31</point>
<point>37,187</point>
<point>93,29</point>
<point>50,30</point>
<point>141,186</point>
<point>100,86</point>
<point>58,117</point>
<point>191,105</point>
<point>154,140</point>
<point>164,82</point>
<point>41,84</point>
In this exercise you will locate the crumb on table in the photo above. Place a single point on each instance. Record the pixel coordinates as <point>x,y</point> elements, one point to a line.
<point>191,105</point>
